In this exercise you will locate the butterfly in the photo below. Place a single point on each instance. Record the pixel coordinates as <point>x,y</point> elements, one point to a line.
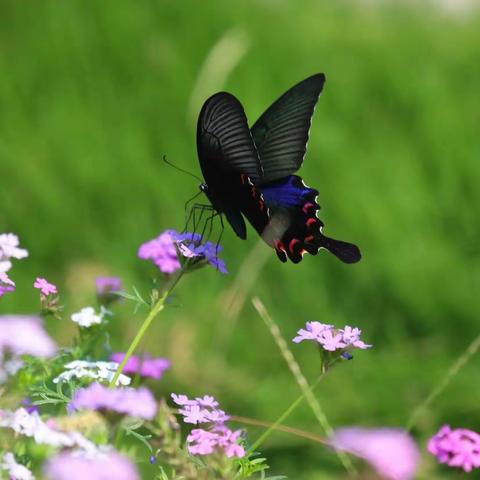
<point>250,172</point>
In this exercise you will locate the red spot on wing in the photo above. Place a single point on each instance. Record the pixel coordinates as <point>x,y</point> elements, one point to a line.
<point>309,238</point>
<point>292,244</point>
<point>307,207</point>
<point>311,221</point>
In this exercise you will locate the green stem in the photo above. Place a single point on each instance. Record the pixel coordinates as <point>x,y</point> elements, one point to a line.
<point>274,426</point>
<point>156,309</point>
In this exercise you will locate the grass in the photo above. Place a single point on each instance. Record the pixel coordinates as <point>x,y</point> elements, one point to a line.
<point>94,93</point>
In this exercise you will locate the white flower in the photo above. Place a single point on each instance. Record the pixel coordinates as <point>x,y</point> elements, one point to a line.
<point>31,425</point>
<point>87,317</point>
<point>9,249</point>
<point>15,470</point>
<point>94,370</point>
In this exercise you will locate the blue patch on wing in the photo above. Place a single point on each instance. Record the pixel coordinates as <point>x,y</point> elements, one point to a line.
<point>287,192</point>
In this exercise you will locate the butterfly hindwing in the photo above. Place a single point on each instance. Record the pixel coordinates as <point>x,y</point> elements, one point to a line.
<point>294,228</point>
<point>281,132</point>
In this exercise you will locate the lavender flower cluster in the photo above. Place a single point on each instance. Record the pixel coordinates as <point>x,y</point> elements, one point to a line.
<point>217,436</point>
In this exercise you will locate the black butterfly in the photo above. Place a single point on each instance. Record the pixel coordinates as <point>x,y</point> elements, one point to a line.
<point>249,172</point>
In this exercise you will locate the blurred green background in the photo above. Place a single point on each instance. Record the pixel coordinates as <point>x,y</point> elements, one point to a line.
<point>92,94</point>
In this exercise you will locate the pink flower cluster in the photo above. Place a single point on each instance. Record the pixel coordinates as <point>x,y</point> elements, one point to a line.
<point>330,338</point>
<point>45,287</point>
<point>145,366</point>
<point>129,401</point>
<point>457,448</point>
<point>218,437</point>
<point>162,252</point>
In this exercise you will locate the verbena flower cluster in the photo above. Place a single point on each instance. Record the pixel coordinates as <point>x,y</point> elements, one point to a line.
<point>458,448</point>
<point>330,338</point>
<point>217,436</point>
<point>170,247</point>
<point>100,370</point>
<point>9,248</point>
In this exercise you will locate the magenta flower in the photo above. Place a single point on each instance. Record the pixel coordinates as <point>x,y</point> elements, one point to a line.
<point>457,448</point>
<point>24,335</point>
<point>129,401</point>
<point>162,252</point>
<point>217,437</point>
<point>44,287</point>
<point>107,285</point>
<point>391,452</point>
<point>144,366</point>
<point>76,465</point>
<point>6,285</point>
<point>330,338</point>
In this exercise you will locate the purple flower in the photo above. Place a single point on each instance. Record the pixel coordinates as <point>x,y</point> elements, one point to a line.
<point>162,252</point>
<point>107,285</point>
<point>205,442</point>
<point>330,338</point>
<point>78,466</point>
<point>129,401</point>
<point>457,448</point>
<point>143,366</point>
<point>217,437</point>
<point>190,246</point>
<point>391,452</point>
<point>6,285</point>
<point>44,287</point>
<point>24,335</point>
<point>9,249</point>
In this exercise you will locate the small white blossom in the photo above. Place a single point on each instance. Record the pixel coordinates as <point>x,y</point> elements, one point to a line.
<point>94,370</point>
<point>31,425</point>
<point>9,249</point>
<point>15,470</point>
<point>87,317</point>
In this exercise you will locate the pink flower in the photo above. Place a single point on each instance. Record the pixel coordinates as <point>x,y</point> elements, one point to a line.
<point>44,287</point>
<point>75,465</point>
<point>330,338</point>
<point>129,401</point>
<point>391,452</point>
<point>217,437</point>
<point>6,285</point>
<point>457,448</point>
<point>143,366</point>
<point>162,252</point>
<point>24,335</point>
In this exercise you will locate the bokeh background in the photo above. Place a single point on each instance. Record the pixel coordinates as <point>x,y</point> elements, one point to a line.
<point>92,94</point>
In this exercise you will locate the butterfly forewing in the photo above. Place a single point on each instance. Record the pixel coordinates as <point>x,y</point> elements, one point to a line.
<point>281,133</point>
<point>224,141</point>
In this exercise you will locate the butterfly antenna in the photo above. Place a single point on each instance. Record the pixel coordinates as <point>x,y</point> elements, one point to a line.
<point>168,162</point>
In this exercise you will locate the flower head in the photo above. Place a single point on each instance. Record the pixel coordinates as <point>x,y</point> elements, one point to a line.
<point>162,252</point>
<point>45,287</point>
<point>24,335</point>
<point>6,285</point>
<point>92,370</point>
<point>217,437</point>
<point>191,247</point>
<point>129,401</point>
<point>457,448</point>
<point>144,366</point>
<point>107,287</point>
<point>31,425</point>
<point>87,317</point>
<point>330,338</point>
<point>391,452</point>
<point>16,471</point>
<point>9,248</point>
<point>75,465</point>
<point>165,250</point>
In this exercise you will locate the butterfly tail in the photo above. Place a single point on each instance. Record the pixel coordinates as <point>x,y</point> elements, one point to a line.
<point>344,251</point>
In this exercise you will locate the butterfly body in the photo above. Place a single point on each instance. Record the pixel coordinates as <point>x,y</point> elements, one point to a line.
<point>250,172</point>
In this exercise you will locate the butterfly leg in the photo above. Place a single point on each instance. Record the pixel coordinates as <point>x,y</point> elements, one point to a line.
<point>188,212</point>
